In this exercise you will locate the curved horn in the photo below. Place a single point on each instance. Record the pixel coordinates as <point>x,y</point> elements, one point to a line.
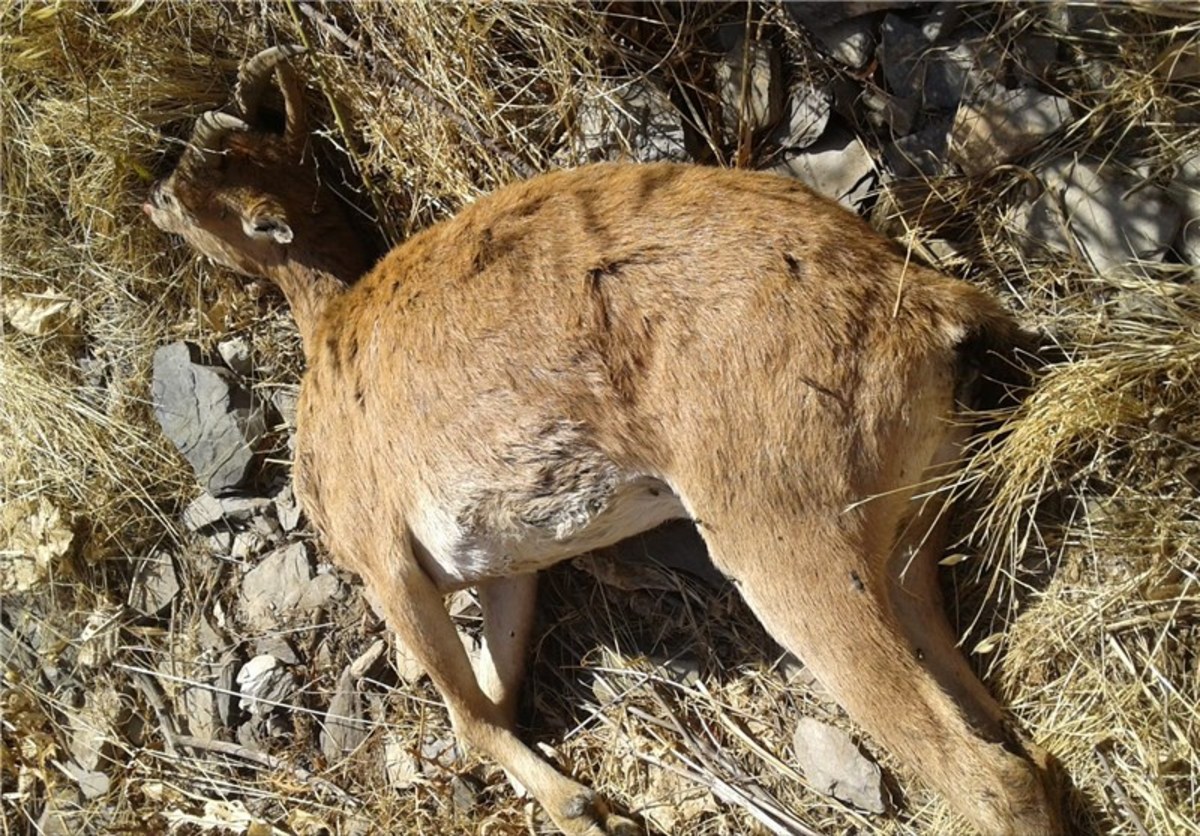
<point>253,76</point>
<point>295,131</point>
<point>211,128</point>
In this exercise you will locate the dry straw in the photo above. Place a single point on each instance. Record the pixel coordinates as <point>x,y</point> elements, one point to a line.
<point>1077,589</point>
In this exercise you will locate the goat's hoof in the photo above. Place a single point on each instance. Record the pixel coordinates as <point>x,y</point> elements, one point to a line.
<point>587,814</point>
<point>621,826</point>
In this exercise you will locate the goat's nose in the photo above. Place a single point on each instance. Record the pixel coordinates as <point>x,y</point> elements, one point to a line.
<point>147,207</point>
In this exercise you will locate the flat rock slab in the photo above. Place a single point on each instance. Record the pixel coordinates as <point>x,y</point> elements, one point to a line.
<point>996,125</point>
<point>833,765</point>
<point>1110,218</point>
<point>155,584</point>
<point>207,415</point>
<point>282,586</point>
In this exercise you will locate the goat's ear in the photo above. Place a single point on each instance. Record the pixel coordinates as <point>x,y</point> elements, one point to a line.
<point>268,223</point>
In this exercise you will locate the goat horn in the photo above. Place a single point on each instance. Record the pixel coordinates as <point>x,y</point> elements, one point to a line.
<point>296,127</point>
<point>253,76</point>
<point>210,129</point>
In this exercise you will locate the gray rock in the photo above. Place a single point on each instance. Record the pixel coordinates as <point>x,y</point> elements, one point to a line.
<point>155,584</point>
<point>1185,191</point>
<point>440,755</point>
<point>464,792</point>
<point>61,814</point>
<point>206,510</point>
<point>200,712</point>
<point>278,647</point>
<point>284,399</point>
<point>236,354</point>
<point>833,765</point>
<point>287,509</point>
<point>343,730</point>
<point>282,586</point>
<point>885,110</point>
<point>916,65</point>
<point>632,120</point>
<point>1111,219</point>
<point>850,42</point>
<point>210,419</point>
<point>263,682</point>
<point>1034,57</point>
<point>808,115</point>
<point>923,152</point>
<point>753,68</point>
<point>994,125</point>
<point>838,166</point>
<point>400,766</point>
<point>91,783</point>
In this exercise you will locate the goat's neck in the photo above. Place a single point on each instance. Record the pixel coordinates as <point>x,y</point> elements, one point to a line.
<point>308,291</point>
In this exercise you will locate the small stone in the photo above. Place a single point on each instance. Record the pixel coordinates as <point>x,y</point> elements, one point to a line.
<point>400,766</point>
<point>995,125</point>
<point>284,399</point>
<point>684,670</point>
<point>287,509</point>
<point>280,587</point>
<point>206,510</point>
<point>440,755</point>
<point>408,669</point>
<point>263,682</point>
<point>91,783</point>
<point>343,730</point>
<point>200,712</point>
<point>236,354</point>
<point>278,647</point>
<point>361,666</point>
<point>833,765</point>
<point>210,419</point>
<point>808,115</point>
<point>763,88</point>
<point>247,544</point>
<point>464,792</point>
<point>839,167</point>
<point>921,153</point>
<point>633,120</point>
<point>884,110</point>
<point>850,42</point>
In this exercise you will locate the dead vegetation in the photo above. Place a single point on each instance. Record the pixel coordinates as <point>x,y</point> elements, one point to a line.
<point>1076,585</point>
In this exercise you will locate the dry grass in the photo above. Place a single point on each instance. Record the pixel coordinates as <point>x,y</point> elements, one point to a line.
<point>1080,592</point>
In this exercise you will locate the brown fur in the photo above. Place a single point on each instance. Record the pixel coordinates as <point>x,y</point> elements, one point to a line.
<point>585,354</point>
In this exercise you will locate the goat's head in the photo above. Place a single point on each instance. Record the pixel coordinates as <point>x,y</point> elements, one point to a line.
<point>242,194</point>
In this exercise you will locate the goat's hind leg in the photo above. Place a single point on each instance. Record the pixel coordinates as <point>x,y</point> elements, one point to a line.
<point>414,610</point>
<point>818,589</point>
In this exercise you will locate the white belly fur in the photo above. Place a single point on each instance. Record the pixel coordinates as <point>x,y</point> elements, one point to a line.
<point>457,558</point>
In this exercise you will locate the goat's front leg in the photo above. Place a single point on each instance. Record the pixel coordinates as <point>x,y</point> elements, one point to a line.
<point>414,610</point>
<point>508,614</point>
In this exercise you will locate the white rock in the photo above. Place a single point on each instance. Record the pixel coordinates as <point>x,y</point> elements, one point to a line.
<point>264,681</point>
<point>236,354</point>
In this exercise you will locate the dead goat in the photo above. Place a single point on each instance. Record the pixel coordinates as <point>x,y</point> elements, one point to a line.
<point>578,358</point>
